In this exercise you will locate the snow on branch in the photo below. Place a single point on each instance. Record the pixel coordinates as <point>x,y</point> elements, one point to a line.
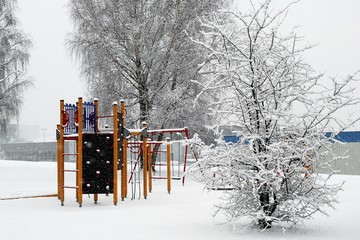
<point>280,108</point>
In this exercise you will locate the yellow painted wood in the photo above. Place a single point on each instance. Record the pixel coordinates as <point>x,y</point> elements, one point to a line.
<point>96,130</point>
<point>61,155</point>
<point>124,153</point>
<point>79,152</point>
<point>58,153</point>
<point>124,170</point>
<point>145,175</point>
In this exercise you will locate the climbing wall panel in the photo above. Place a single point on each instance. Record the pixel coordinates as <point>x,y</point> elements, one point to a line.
<point>97,163</point>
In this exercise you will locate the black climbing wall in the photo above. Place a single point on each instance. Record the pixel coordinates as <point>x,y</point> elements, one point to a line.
<point>97,163</point>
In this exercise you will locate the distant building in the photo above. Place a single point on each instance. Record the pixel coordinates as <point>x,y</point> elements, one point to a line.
<point>16,133</point>
<point>350,145</point>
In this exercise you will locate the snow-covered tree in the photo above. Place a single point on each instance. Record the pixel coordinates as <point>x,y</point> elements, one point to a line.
<point>280,109</point>
<point>140,51</point>
<point>14,56</point>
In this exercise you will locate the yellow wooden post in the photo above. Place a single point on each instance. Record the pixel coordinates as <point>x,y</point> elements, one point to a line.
<point>168,160</point>
<point>149,166</point>
<point>115,150</point>
<point>61,155</point>
<point>79,151</point>
<point>124,153</point>
<point>77,155</point>
<point>58,153</point>
<point>96,104</point>
<point>145,175</point>
<point>124,169</point>
<point>96,129</point>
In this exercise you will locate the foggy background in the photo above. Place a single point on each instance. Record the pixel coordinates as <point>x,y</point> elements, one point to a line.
<point>331,24</point>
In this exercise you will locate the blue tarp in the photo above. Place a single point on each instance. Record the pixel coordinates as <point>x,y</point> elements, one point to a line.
<point>233,139</point>
<point>349,136</point>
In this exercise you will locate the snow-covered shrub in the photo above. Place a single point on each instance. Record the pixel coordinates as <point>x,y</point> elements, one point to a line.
<point>280,108</point>
<point>285,183</point>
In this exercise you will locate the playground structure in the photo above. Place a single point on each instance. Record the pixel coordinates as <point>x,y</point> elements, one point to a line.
<point>102,152</point>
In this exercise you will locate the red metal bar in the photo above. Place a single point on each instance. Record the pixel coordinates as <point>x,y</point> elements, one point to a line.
<point>185,157</point>
<point>70,154</point>
<point>70,138</point>
<point>132,171</point>
<point>168,161</point>
<point>149,142</point>
<point>167,130</point>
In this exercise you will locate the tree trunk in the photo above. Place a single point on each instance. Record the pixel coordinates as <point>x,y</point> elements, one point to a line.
<point>156,149</point>
<point>144,104</point>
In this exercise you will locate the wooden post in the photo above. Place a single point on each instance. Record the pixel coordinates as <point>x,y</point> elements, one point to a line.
<point>145,175</point>
<point>168,162</point>
<point>58,153</point>
<point>96,130</point>
<point>149,157</point>
<point>96,103</point>
<point>124,153</point>
<point>61,155</point>
<point>115,152</point>
<point>79,152</point>
<point>124,175</point>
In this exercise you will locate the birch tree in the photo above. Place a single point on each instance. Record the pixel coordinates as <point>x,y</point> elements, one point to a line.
<point>140,51</point>
<point>14,57</point>
<point>279,170</point>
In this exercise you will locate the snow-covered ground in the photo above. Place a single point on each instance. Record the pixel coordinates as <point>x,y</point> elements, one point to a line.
<point>183,214</point>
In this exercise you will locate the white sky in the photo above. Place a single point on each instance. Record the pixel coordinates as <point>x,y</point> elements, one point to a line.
<point>333,24</point>
<point>56,75</point>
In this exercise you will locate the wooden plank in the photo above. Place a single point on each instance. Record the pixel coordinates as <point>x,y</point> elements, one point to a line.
<point>25,197</point>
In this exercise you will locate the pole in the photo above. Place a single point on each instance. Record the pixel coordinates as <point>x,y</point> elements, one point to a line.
<point>115,152</point>
<point>60,145</point>
<point>96,129</point>
<point>123,152</point>
<point>58,153</point>
<point>145,176</point>
<point>168,160</point>
<point>79,151</point>
<point>185,155</point>
<point>96,103</point>
<point>149,157</point>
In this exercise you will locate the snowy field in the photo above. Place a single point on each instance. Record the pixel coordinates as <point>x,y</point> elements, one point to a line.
<point>184,214</point>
